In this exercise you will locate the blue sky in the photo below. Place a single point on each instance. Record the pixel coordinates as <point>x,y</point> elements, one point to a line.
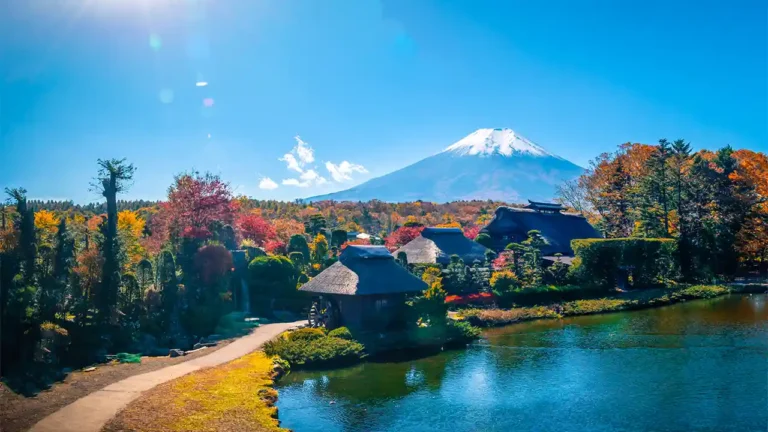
<point>368,86</point>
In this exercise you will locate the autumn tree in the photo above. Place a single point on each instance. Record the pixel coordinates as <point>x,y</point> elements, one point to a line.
<point>319,249</point>
<point>196,203</point>
<point>46,224</point>
<point>255,228</point>
<point>402,236</point>
<point>130,227</point>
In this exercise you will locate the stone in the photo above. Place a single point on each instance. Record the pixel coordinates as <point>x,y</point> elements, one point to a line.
<point>204,344</point>
<point>176,353</point>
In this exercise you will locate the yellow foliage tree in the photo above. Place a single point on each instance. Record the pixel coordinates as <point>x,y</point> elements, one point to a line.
<point>319,247</point>
<point>46,223</point>
<point>130,227</point>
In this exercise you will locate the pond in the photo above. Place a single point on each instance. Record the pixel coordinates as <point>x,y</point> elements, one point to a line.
<point>700,365</point>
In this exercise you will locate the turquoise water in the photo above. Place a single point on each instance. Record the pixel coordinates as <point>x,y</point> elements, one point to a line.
<point>696,366</point>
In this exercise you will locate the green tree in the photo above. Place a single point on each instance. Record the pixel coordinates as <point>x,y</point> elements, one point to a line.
<point>53,287</point>
<point>298,243</point>
<point>144,275</point>
<point>272,277</point>
<point>315,225</point>
<point>114,177</point>
<point>338,237</point>
<point>485,240</point>
<point>456,276</point>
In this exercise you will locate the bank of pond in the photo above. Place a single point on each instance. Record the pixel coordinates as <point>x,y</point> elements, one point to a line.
<point>310,348</point>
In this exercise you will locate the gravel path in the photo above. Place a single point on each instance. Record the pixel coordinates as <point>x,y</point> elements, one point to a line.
<point>92,412</point>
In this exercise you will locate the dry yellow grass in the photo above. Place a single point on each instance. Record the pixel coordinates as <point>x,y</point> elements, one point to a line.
<point>234,397</point>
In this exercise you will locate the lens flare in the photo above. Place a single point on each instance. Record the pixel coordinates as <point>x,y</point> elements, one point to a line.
<point>208,102</point>
<point>165,96</point>
<point>155,42</point>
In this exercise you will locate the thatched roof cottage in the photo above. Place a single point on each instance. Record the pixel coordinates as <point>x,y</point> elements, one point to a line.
<point>436,245</point>
<point>365,288</point>
<point>511,225</point>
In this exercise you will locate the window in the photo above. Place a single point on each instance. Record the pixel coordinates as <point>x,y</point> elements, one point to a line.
<point>381,304</point>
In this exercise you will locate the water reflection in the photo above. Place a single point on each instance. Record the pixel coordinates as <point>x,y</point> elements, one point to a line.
<point>695,366</point>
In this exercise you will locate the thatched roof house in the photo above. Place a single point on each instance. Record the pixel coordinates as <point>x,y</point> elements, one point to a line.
<point>364,270</point>
<point>436,245</point>
<point>365,288</point>
<point>511,225</point>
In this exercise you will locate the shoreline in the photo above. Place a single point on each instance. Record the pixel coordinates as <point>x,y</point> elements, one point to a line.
<point>627,301</point>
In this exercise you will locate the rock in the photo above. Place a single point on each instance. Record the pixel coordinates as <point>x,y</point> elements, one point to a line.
<point>204,344</point>
<point>195,350</point>
<point>89,369</point>
<point>176,353</point>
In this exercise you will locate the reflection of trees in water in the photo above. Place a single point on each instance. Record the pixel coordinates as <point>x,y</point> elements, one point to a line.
<point>360,390</point>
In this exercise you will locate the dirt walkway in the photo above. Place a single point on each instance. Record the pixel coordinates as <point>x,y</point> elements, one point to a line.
<point>19,413</point>
<point>92,412</point>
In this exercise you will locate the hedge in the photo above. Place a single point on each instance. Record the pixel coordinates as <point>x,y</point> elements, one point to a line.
<point>645,262</point>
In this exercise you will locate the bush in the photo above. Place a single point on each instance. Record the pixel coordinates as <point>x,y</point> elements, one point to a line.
<point>306,334</point>
<point>316,351</point>
<point>548,294</point>
<point>341,333</point>
<point>645,262</point>
<point>497,317</point>
<point>462,331</point>
<point>700,292</point>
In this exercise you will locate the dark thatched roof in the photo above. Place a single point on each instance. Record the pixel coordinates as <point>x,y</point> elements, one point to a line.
<point>364,270</point>
<point>436,245</point>
<point>536,205</point>
<point>510,225</point>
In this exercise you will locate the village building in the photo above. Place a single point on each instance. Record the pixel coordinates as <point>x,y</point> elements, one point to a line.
<point>511,225</point>
<point>437,245</point>
<point>365,289</point>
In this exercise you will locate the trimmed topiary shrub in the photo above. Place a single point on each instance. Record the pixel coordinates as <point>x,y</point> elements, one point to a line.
<point>308,350</point>
<point>341,333</point>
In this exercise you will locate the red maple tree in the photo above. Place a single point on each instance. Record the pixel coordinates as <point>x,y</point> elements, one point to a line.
<point>195,202</point>
<point>254,227</point>
<point>402,236</point>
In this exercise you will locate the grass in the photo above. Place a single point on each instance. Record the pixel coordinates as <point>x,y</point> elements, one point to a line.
<point>603,305</point>
<point>627,301</point>
<point>236,396</point>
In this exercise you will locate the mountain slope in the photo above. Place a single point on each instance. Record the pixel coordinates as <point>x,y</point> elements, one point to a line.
<point>493,164</point>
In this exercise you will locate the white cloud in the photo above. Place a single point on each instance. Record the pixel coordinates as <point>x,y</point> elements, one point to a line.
<point>267,183</point>
<point>300,155</point>
<point>293,164</point>
<point>293,182</point>
<point>344,170</point>
<point>307,178</point>
<point>304,151</point>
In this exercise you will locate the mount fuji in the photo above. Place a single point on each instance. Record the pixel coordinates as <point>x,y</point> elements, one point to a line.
<point>497,164</point>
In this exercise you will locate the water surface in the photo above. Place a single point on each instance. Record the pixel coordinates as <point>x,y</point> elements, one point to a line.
<point>696,366</point>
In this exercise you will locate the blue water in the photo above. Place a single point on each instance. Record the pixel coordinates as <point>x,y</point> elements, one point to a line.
<point>696,366</point>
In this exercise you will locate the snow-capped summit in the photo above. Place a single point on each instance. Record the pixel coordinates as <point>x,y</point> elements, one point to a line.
<point>487,142</point>
<point>506,167</point>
